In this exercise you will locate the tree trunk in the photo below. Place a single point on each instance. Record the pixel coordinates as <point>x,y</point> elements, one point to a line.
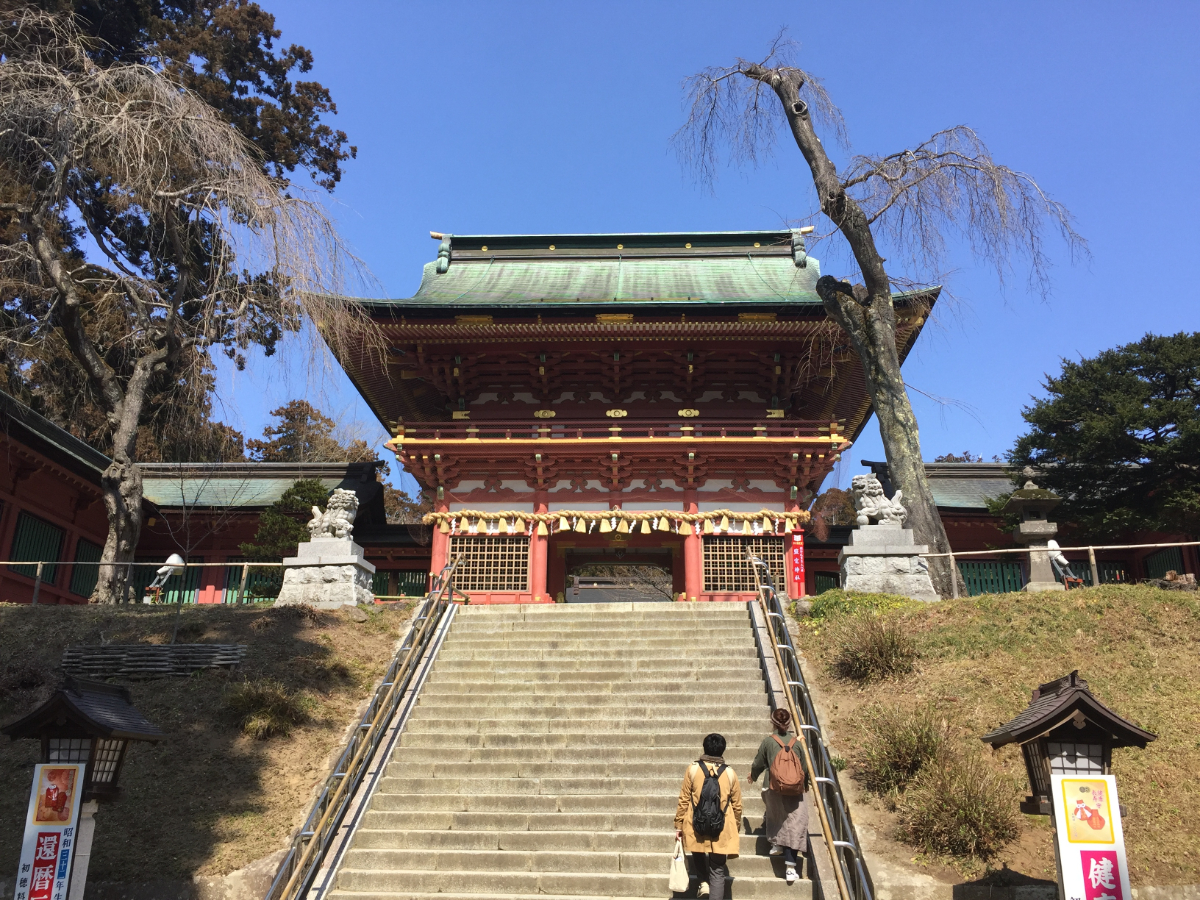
<point>868,317</point>
<point>122,485</point>
<point>872,331</point>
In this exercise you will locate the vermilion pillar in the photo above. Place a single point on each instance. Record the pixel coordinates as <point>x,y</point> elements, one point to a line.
<point>693,558</point>
<point>537,554</point>
<point>441,542</point>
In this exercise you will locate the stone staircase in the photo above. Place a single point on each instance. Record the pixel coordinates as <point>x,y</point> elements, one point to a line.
<point>547,751</point>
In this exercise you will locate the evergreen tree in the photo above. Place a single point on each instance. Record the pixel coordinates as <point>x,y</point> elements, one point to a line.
<point>282,525</point>
<point>1118,437</point>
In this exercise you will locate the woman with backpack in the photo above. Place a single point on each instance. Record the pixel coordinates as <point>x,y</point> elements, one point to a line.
<point>709,817</point>
<point>786,820</point>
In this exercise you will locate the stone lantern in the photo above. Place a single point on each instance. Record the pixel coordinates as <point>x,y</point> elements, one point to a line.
<point>1065,730</point>
<point>89,723</point>
<point>1033,505</point>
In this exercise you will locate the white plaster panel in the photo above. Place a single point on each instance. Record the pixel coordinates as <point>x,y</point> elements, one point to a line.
<point>465,486</point>
<point>717,484</point>
<point>485,397</point>
<point>675,503</point>
<point>775,504</point>
<point>489,507</point>
<point>561,503</point>
<point>515,486</point>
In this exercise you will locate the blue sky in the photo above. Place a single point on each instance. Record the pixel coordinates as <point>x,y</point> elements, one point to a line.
<point>556,117</point>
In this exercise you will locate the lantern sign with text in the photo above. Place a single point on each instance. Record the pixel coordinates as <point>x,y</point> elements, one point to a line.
<point>50,828</point>
<point>85,729</point>
<point>1091,838</point>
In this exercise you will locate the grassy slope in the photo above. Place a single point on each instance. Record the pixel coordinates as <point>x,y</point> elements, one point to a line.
<point>1139,649</point>
<point>208,799</point>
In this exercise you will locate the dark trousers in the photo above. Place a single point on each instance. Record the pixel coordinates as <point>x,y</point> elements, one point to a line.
<point>789,855</point>
<point>710,867</point>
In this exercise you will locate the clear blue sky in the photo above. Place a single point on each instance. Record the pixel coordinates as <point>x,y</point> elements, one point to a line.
<point>555,117</point>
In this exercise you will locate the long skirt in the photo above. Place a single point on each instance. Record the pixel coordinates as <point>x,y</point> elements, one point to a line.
<point>786,820</point>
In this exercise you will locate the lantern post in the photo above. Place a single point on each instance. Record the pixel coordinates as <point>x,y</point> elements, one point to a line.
<point>1067,736</point>
<point>85,728</point>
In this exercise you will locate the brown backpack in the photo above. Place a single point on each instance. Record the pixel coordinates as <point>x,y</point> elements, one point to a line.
<point>787,775</point>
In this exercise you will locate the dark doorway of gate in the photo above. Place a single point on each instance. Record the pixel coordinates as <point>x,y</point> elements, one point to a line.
<point>596,575</point>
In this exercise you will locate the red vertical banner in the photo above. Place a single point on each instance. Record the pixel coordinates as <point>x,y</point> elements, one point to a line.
<point>795,581</point>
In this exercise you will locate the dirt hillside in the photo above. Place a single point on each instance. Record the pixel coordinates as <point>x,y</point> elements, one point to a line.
<point>209,799</point>
<point>977,661</point>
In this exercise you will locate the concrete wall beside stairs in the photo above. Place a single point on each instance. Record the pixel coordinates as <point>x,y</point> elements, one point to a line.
<point>546,754</point>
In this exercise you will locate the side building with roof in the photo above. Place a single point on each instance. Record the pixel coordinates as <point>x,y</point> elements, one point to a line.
<point>52,510</point>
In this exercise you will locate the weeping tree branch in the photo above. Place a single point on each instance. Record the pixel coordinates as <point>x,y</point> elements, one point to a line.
<point>204,249</point>
<point>913,202</point>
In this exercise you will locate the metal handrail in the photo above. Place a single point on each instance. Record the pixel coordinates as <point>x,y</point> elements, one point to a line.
<point>849,867</point>
<point>310,844</point>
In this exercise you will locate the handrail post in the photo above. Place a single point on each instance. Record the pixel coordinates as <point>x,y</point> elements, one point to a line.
<point>1095,568</point>
<point>953,578</point>
<point>766,589</point>
<point>241,595</point>
<point>37,583</point>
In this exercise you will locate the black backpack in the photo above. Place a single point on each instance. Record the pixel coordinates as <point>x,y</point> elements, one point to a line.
<point>708,818</point>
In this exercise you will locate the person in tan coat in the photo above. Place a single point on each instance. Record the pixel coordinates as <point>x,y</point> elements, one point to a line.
<point>709,854</point>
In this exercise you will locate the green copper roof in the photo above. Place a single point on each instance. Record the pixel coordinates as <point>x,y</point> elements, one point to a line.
<point>745,268</point>
<point>231,485</point>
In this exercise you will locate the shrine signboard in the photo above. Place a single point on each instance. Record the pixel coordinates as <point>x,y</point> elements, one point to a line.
<point>796,563</point>
<point>50,828</point>
<point>1090,836</point>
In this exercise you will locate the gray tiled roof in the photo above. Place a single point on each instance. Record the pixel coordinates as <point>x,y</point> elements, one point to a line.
<point>1055,702</point>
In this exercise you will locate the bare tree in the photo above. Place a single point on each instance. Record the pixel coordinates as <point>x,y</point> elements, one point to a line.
<point>912,202</point>
<point>183,238</point>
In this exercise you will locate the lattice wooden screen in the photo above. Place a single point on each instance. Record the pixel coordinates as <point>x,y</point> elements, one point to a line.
<point>490,563</point>
<point>726,568</point>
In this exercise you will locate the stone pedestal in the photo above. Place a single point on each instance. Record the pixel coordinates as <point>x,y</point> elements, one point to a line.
<point>327,573</point>
<point>1036,534</point>
<point>883,559</point>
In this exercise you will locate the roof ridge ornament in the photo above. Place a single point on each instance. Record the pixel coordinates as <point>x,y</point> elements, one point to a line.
<point>443,260</point>
<point>799,249</point>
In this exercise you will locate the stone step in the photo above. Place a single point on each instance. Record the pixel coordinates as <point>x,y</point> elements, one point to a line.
<point>548,785</point>
<point>405,767</point>
<point>595,650</point>
<point>676,756</point>
<point>686,741</point>
<point>621,610</point>
<point>669,636</point>
<point>662,804</point>
<point>641,690</point>
<point>476,882</point>
<point>469,629</point>
<point>531,726</point>
<point>553,706</point>
<point>511,822</point>
<point>516,663</point>
<point>658,631</point>
<point>382,834</point>
<point>716,682</point>
<point>500,862</point>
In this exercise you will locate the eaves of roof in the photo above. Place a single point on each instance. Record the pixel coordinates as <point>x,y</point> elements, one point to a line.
<point>37,432</point>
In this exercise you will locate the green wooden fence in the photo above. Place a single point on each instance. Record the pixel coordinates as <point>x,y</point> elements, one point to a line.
<point>36,540</point>
<point>84,578</point>
<point>1165,560</point>
<point>991,576</point>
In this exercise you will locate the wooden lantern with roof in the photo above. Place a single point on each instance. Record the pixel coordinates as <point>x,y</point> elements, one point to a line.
<point>1065,730</point>
<point>87,722</point>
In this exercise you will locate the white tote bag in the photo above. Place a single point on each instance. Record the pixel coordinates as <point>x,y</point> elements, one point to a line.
<point>679,880</point>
